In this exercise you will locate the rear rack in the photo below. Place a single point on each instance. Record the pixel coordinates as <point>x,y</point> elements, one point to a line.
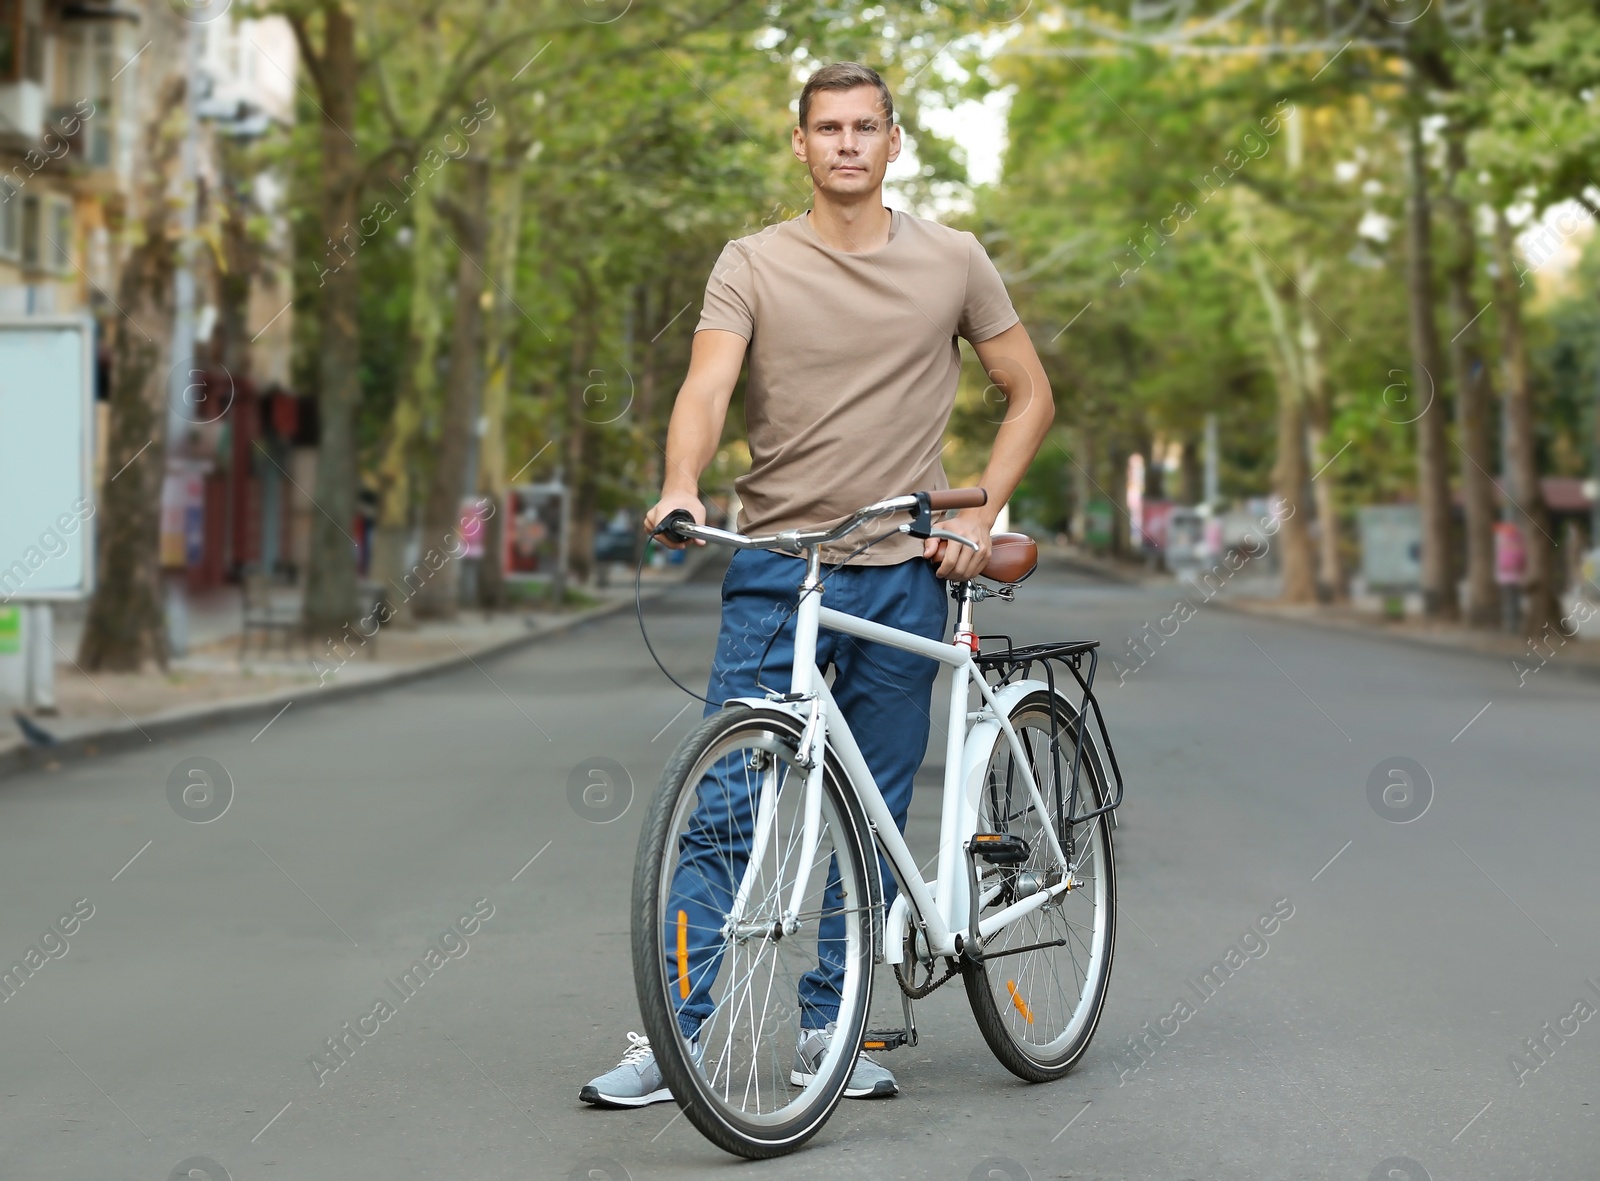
<point>1011,662</point>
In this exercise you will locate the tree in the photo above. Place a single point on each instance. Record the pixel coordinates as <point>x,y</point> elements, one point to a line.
<point>1439,599</point>
<point>1473,393</point>
<point>335,69</point>
<point>125,626</point>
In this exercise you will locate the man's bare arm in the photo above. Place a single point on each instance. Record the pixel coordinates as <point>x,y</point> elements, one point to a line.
<point>695,429</point>
<point>1013,366</point>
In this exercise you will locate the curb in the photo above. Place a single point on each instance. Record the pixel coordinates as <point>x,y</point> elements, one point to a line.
<point>1580,670</point>
<point>1108,571</point>
<point>130,735</point>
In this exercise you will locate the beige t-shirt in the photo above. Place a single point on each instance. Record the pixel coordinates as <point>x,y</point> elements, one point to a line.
<point>853,365</point>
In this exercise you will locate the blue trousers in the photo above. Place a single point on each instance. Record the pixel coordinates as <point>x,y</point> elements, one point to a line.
<point>883,693</point>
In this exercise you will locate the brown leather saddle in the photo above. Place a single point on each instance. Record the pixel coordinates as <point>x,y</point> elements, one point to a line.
<point>1012,557</point>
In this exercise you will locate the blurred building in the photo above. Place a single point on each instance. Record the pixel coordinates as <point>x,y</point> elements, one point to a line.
<point>69,132</point>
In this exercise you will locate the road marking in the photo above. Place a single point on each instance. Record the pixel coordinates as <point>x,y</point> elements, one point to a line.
<point>1332,859</point>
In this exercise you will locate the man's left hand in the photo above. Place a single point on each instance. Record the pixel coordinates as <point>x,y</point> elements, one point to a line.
<point>957,562</point>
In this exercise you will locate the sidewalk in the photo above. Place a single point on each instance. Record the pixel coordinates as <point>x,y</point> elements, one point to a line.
<point>1255,593</point>
<point>106,711</point>
<point>1578,655</point>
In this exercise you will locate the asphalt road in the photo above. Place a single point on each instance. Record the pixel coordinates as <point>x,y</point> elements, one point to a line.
<point>1388,1016</point>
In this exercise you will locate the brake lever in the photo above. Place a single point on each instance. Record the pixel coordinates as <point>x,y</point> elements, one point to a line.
<point>946,535</point>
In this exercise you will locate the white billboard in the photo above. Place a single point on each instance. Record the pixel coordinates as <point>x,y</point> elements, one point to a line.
<point>46,458</point>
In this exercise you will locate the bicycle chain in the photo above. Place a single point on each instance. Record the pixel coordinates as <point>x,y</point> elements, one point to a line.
<point>915,992</point>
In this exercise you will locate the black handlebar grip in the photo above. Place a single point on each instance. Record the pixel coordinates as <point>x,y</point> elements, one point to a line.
<point>675,518</point>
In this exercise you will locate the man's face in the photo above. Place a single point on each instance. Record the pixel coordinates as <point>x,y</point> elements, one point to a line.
<point>849,143</point>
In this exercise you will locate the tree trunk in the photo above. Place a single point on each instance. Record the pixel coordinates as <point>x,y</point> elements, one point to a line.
<point>1117,453</point>
<point>330,592</point>
<point>582,449</point>
<point>1290,472</point>
<point>395,485</point>
<point>439,597</point>
<point>1189,474</point>
<point>1439,600</point>
<point>125,625</point>
<point>497,386</point>
<point>644,407</point>
<point>1083,448</point>
<point>1540,607</point>
<point>1472,399</point>
<point>241,259</point>
<point>1319,416</point>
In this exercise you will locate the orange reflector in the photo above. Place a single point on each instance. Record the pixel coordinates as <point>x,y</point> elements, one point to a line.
<point>987,836</point>
<point>872,1045</point>
<point>1016,999</point>
<point>683,955</point>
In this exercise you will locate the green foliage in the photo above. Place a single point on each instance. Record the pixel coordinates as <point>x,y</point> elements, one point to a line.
<point>1141,189</point>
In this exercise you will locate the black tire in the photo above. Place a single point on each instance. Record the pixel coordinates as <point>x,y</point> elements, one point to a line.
<point>1090,930</point>
<point>797,1111</point>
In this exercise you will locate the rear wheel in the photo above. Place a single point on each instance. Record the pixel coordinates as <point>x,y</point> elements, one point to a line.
<point>1038,1008</point>
<point>732,800</point>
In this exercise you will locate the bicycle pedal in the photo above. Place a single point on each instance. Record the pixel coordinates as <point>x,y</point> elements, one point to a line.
<point>1000,848</point>
<point>881,1041</point>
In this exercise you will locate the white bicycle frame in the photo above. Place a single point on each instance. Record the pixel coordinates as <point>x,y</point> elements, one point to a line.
<point>941,907</point>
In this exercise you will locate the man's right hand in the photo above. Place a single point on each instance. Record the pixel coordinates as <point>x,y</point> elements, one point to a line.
<point>670,504</point>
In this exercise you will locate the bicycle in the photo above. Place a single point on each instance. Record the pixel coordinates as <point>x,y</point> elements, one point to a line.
<point>799,828</point>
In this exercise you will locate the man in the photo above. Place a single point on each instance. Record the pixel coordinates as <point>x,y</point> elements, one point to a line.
<point>849,315</point>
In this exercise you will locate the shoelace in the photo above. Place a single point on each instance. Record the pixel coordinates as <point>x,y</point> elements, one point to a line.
<point>638,1050</point>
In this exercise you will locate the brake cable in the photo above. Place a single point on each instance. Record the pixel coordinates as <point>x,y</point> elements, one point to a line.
<point>638,606</point>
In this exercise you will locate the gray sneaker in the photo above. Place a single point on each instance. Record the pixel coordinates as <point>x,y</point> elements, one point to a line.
<point>867,1081</point>
<point>633,1082</point>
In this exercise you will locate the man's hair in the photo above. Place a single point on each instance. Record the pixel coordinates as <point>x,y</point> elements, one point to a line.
<point>844,76</point>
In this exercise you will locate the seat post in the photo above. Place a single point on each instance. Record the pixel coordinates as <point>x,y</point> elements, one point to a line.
<point>965,636</point>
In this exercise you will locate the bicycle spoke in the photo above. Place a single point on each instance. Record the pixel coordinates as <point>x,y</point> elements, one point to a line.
<point>1042,995</point>
<point>748,962</point>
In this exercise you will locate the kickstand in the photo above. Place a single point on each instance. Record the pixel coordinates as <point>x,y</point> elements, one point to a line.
<point>883,1040</point>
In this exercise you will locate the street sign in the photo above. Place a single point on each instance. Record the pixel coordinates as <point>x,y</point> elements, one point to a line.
<point>46,458</point>
<point>1391,546</point>
<point>536,531</point>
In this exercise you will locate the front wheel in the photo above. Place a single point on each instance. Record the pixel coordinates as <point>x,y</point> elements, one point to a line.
<point>1038,1008</point>
<point>726,967</point>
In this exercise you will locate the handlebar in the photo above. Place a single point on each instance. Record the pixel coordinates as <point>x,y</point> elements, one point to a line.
<point>951,498</point>
<point>921,505</point>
